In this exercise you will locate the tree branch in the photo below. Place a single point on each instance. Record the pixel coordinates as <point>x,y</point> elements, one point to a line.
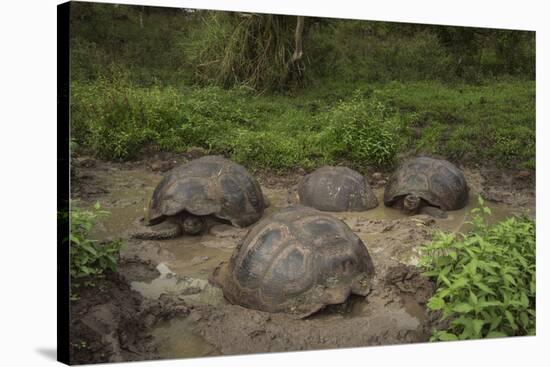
<point>298,52</point>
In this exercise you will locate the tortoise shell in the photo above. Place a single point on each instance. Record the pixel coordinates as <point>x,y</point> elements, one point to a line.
<point>211,185</point>
<point>437,181</point>
<point>297,261</point>
<point>336,189</point>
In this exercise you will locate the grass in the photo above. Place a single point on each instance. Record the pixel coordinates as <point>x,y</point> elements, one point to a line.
<point>479,123</point>
<point>362,125</point>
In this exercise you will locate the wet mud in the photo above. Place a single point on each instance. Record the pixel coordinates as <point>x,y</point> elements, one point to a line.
<point>189,317</point>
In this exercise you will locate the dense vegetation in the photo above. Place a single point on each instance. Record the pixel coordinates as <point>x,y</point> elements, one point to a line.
<point>364,92</point>
<point>485,279</point>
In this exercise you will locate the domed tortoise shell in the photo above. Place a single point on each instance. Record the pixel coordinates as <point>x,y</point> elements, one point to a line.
<point>211,185</point>
<point>298,260</point>
<point>336,189</point>
<point>437,181</point>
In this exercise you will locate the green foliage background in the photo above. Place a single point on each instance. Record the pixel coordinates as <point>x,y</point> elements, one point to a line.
<point>365,92</point>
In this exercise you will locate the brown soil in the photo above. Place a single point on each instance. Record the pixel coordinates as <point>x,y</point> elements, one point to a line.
<point>161,305</point>
<point>110,322</point>
<point>393,313</point>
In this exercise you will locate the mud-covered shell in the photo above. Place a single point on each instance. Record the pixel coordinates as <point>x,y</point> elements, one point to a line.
<point>211,185</point>
<point>297,261</point>
<point>439,182</point>
<point>336,189</point>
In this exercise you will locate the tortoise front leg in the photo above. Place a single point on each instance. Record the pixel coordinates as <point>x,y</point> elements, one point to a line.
<point>169,228</point>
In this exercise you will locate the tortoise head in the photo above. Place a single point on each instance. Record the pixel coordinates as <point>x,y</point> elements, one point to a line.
<point>411,204</point>
<point>193,224</point>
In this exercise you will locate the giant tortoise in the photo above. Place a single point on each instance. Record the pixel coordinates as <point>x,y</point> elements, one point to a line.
<point>427,185</point>
<point>297,261</point>
<point>211,186</point>
<point>336,189</point>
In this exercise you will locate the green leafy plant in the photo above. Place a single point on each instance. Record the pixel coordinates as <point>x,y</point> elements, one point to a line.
<point>485,278</point>
<point>89,259</point>
<point>362,130</point>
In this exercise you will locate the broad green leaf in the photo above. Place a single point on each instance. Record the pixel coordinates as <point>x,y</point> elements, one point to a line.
<point>444,279</point>
<point>483,304</point>
<point>452,254</point>
<point>524,319</point>
<point>74,239</point>
<point>462,308</point>
<point>436,303</point>
<point>431,273</point>
<point>496,334</point>
<point>459,283</point>
<point>509,278</point>
<point>477,325</point>
<point>473,298</point>
<point>469,251</point>
<point>510,319</point>
<point>88,248</point>
<point>524,300</point>
<point>446,336</point>
<point>495,322</point>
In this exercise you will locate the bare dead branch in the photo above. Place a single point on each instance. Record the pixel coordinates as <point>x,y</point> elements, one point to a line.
<point>298,51</point>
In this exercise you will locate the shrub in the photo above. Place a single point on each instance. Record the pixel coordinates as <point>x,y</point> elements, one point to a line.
<point>115,119</point>
<point>268,150</point>
<point>89,259</point>
<point>362,130</point>
<point>485,279</point>
<point>512,143</point>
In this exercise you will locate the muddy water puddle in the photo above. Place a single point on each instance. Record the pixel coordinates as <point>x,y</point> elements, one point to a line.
<point>126,199</point>
<point>195,257</point>
<point>179,338</point>
<point>129,192</point>
<point>185,288</point>
<point>391,238</point>
<point>456,220</point>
